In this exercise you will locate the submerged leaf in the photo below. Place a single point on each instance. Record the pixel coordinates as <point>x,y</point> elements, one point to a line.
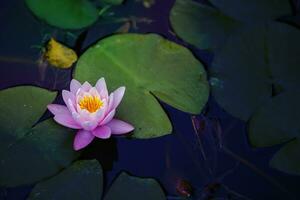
<point>149,66</point>
<point>30,154</point>
<point>67,14</point>
<point>59,55</point>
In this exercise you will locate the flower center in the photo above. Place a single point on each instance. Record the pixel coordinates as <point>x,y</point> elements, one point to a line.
<point>91,103</point>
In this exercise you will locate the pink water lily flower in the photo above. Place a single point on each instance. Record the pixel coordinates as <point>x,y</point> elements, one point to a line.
<point>91,110</point>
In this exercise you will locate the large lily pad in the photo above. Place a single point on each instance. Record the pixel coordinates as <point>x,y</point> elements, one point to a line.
<point>201,25</point>
<point>254,10</point>
<point>84,180</point>
<point>276,122</point>
<point>208,27</point>
<point>30,154</point>
<point>67,14</point>
<point>150,67</point>
<point>251,62</point>
<point>241,70</point>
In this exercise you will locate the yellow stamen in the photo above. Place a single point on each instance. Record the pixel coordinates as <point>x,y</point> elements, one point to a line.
<point>91,103</point>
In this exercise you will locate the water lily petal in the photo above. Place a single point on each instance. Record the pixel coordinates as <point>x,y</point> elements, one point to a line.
<point>67,121</point>
<point>94,92</point>
<point>101,87</point>
<point>118,95</point>
<point>100,114</point>
<point>82,139</point>
<point>119,127</point>
<point>86,86</point>
<point>108,117</point>
<point>57,109</point>
<point>74,86</point>
<point>110,102</point>
<point>102,132</point>
<point>89,125</point>
<point>68,95</point>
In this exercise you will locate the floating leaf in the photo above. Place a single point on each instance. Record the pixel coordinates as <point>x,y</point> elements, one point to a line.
<point>149,66</point>
<point>134,188</point>
<point>254,10</point>
<point>284,59</point>
<point>201,25</point>
<point>251,62</point>
<point>67,14</point>
<point>82,180</point>
<point>276,122</point>
<point>244,78</point>
<point>30,154</point>
<point>59,55</point>
<point>208,27</point>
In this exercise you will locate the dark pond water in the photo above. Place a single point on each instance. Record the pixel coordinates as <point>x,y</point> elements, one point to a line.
<point>238,170</point>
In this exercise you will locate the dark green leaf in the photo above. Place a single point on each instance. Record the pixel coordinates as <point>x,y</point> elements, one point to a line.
<point>67,14</point>
<point>287,158</point>
<point>30,154</point>
<point>134,188</point>
<point>242,73</point>
<point>201,25</point>
<point>254,10</point>
<point>276,122</point>
<point>82,180</point>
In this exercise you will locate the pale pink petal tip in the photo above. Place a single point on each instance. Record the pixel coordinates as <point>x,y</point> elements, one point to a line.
<point>102,132</point>
<point>119,127</point>
<point>86,86</point>
<point>118,96</point>
<point>74,86</point>
<point>82,139</point>
<point>68,95</point>
<point>57,109</point>
<point>101,84</point>
<point>67,121</point>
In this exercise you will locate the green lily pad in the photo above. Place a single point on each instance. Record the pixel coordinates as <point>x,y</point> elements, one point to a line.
<point>201,25</point>
<point>82,180</point>
<point>276,122</point>
<point>134,188</point>
<point>150,67</point>
<point>240,68</point>
<point>253,60</point>
<point>28,153</point>
<point>208,27</point>
<point>254,10</point>
<point>284,59</point>
<point>66,14</point>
